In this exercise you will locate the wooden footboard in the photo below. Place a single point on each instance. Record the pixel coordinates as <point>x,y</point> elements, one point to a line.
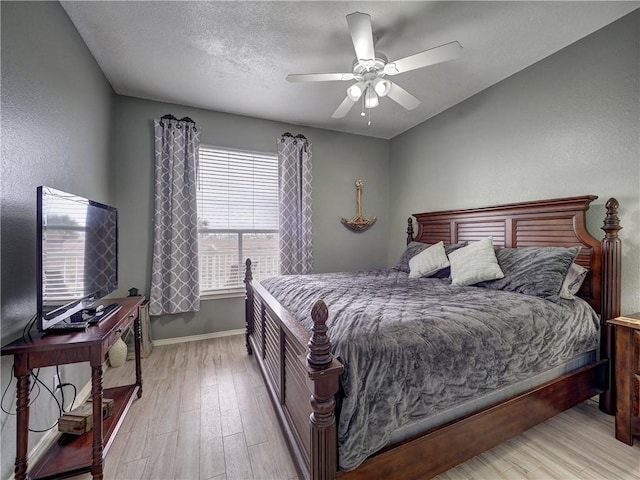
<point>302,376</point>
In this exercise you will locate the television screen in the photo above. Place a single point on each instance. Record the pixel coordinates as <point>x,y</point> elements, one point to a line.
<point>78,254</point>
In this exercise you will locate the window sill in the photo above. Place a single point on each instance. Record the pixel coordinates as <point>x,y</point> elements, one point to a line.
<point>220,294</point>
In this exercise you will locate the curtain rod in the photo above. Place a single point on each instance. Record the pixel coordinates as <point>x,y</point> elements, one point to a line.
<point>168,116</point>
<point>300,136</point>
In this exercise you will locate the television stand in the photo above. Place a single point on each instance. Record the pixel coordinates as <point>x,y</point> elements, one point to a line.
<point>70,454</point>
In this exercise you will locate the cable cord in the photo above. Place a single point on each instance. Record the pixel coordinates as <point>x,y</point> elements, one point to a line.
<point>59,387</point>
<point>26,331</point>
<point>75,395</point>
<point>60,411</point>
<point>36,382</point>
<point>4,394</point>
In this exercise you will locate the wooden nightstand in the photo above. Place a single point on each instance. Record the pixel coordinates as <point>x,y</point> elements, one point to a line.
<point>627,376</point>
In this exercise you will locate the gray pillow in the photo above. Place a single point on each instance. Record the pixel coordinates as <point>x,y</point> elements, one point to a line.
<point>415,248</point>
<point>536,271</point>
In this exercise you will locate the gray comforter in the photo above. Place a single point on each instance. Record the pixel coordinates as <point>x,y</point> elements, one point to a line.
<point>413,347</point>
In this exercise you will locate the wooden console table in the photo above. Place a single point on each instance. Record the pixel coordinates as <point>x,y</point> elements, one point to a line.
<point>627,376</point>
<point>71,454</point>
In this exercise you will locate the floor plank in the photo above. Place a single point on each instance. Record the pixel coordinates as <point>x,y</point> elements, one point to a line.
<point>211,445</point>
<point>205,414</point>
<point>236,457</point>
<point>161,456</point>
<point>187,462</point>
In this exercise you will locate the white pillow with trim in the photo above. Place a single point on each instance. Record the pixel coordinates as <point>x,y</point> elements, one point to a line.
<point>475,263</point>
<point>429,261</point>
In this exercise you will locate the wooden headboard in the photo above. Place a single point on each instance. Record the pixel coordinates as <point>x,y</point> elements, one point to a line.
<point>555,222</point>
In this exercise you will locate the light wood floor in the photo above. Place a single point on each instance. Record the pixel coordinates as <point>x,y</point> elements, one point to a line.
<point>205,414</point>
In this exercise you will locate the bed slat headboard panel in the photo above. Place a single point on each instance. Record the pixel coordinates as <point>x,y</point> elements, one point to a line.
<point>555,222</point>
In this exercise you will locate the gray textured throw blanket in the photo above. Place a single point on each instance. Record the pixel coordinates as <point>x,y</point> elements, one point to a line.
<point>412,347</point>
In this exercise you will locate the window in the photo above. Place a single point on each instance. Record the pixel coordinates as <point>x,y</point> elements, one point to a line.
<point>237,217</point>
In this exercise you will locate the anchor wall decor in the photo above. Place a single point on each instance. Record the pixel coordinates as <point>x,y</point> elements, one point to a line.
<point>358,223</point>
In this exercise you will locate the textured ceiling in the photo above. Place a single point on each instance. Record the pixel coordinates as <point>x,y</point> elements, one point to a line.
<point>234,56</point>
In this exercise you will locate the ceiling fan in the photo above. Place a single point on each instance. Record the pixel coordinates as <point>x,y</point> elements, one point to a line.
<point>370,69</point>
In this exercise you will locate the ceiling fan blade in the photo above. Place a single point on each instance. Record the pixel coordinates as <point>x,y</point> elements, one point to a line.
<point>361,35</point>
<point>401,96</point>
<point>319,77</point>
<point>445,52</point>
<point>344,108</point>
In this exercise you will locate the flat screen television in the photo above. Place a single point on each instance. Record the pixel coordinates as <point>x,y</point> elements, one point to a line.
<point>77,254</point>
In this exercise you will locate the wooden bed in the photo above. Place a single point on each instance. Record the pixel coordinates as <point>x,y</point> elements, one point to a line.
<point>302,376</point>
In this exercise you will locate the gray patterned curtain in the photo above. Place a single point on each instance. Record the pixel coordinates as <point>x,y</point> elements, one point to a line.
<point>296,229</point>
<point>175,284</point>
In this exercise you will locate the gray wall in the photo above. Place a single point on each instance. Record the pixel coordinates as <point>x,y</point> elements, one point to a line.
<point>338,159</point>
<point>565,126</point>
<point>57,130</point>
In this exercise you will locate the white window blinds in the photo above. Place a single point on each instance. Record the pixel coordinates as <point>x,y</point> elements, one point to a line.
<point>238,190</point>
<point>237,216</point>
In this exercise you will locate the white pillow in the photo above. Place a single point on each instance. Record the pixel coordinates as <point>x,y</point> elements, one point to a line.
<point>573,281</point>
<point>475,263</point>
<point>429,261</point>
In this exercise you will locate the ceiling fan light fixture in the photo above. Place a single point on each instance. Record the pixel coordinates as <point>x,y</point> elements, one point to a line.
<point>391,69</point>
<point>381,86</point>
<point>354,92</point>
<point>370,98</point>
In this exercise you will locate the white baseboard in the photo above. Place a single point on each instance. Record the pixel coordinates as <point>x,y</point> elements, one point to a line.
<point>195,338</point>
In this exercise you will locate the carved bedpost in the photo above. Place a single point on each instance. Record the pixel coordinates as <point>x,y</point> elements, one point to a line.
<point>319,348</point>
<point>324,371</point>
<point>610,308</point>
<point>611,261</point>
<point>409,230</point>
<point>248,304</point>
